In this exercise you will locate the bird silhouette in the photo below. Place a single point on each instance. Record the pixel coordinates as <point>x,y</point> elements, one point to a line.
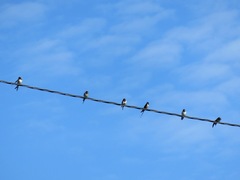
<point>184,112</point>
<point>85,96</point>
<point>124,102</point>
<point>145,107</point>
<point>18,82</point>
<point>216,121</point>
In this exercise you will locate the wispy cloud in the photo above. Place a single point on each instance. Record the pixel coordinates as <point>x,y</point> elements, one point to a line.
<point>47,57</point>
<point>229,52</point>
<point>139,17</point>
<point>207,33</point>
<point>87,28</point>
<point>158,55</point>
<point>44,125</point>
<point>13,14</point>
<point>231,86</point>
<point>113,45</point>
<point>203,73</point>
<point>139,24</point>
<point>137,8</point>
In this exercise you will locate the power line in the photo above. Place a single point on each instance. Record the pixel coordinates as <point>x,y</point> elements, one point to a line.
<point>118,104</point>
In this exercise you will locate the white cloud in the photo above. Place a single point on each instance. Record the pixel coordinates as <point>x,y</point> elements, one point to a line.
<point>211,44</point>
<point>12,14</point>
<point>206,33</point>
<point>137,8</point>
<point>177,137</point>
<point>139,24</point>
<point>135,17</point>
<point>228,53</point>
<point>191,135</point>
<point>43,46</point>
<point>230,86</point>
<point>115,45</point>
<point>45,125</point>
<point>51,64</point>
<point>47,57</point>
<point>190,35</point>
<point>158,55</point>
<point>88,27</point>
<point>204,73</point>
<point>143,22</point>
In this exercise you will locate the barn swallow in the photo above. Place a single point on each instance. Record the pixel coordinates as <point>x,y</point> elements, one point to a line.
<point>216,121</point>
<point>18,82</point>
<point>145,107</point>
<point>85,96</point>
<point>184,112</point>
<point>124,102</point>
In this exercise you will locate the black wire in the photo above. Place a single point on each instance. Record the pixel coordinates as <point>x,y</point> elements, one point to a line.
<point>119,104</point>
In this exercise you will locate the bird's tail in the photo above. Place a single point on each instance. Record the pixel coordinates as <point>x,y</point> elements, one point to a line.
<point>214,124</point>
<point>182,118</point>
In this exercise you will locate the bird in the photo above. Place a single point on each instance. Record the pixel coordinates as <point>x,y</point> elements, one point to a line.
<point>124,102</point>
<point>85,96</point>
<point>145,107</point>
<point>184,112</point>
<point>216,121</point>
<point>18,82</point>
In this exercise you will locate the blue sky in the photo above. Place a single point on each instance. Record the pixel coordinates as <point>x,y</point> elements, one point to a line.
<point>173,54</point>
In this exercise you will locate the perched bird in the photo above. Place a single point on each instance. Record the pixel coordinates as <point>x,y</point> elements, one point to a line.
<point>18,82</point>
<point>184,112</point>
<point>216,121</point>
<point>124,102</point>
<point>145,107</point>
<point>85,96</point>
